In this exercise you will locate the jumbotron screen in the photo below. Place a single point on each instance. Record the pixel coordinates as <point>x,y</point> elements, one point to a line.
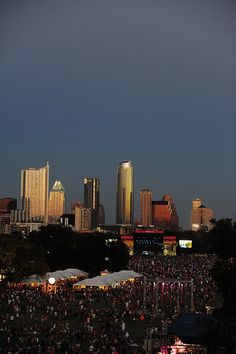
<point>185,243</point>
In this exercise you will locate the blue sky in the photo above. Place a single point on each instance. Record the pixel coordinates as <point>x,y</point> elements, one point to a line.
<point>85,84</point>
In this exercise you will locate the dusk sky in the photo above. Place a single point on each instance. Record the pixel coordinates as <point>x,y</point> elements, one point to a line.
<point>85,84</point>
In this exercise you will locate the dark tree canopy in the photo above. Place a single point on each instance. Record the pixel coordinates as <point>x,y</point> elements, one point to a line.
<point>118,256</point>
<point>223,242</point>
<point>20,257</point>
<point>68,249</point>
<point>223,238</point>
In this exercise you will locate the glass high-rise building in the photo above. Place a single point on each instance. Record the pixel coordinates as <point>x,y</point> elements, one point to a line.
<point>92,198</point>
<point>146,207</point>
<point>125,194</point>
<point>56,202</point>
<point>34,193</point>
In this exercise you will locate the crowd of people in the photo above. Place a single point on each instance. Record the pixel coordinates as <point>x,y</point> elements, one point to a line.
<point>176,275</point>
<point>33,320</point>
<point>68,321</point>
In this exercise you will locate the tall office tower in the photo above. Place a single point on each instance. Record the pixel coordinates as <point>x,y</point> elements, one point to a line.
<point>56,205</point>
<point>200,217</point>
<point>164,214</point>
<point>92,198</point>
<point>83,217</point>
<point>146,207</point>
<point>125,194</point>
<point>34,193</point>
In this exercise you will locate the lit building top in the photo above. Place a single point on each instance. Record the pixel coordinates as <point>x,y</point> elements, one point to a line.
<point>58,187</point>
<point>125,163</point>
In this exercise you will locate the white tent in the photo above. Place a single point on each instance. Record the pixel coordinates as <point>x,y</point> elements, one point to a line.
<point>58,275</point>
<point>131,273</point>
<point>67,273</point>
<point>99,281</point>
<point>108,280</point>
<point>123,275</point>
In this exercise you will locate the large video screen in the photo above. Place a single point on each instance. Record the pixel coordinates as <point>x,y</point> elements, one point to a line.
<point>185,243</point>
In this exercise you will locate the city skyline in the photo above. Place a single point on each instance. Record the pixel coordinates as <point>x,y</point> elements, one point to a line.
<point>88,84</point>
<point>35,177</point>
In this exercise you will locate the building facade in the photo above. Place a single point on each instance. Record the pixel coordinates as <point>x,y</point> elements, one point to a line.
<point>83,217</point>
<point>164,214</point>
<point>56,202</point>
<point>34,193</point>
<point>201,216</point>
<point>92,198</point>
<point>7,204</point>
<point>125,194</point>
<point>146,207</point>
<point>101,215</point>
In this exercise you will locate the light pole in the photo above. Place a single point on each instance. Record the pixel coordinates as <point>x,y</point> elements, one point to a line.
<point>51,285</point>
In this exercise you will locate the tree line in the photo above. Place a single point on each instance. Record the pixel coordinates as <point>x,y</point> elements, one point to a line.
<point>57,247</point>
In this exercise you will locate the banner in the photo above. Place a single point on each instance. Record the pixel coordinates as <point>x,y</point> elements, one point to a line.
<point>169,245</point>
<point>129,242</point>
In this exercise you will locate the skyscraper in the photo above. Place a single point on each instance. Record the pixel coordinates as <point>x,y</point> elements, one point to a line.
<point>56,202</point>
<point>200,216</point>
<point>34,193</point>
<point>146,207</point>
<point>125,194</point>
<point>92,198</point>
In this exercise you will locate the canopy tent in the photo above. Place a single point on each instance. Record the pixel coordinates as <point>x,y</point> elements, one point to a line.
<point>130,273</point>
<point>58,275</point>
<point>123,275</point>
<point>105,281</point>
<point>67,273</point>
<point>98,281</point>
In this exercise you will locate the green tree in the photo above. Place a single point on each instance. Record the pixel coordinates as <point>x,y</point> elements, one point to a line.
<point>65,248</point>
<point>118,255</point>
<point>223,243</point>
<point>19,258</point>
<point>222,238</point>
